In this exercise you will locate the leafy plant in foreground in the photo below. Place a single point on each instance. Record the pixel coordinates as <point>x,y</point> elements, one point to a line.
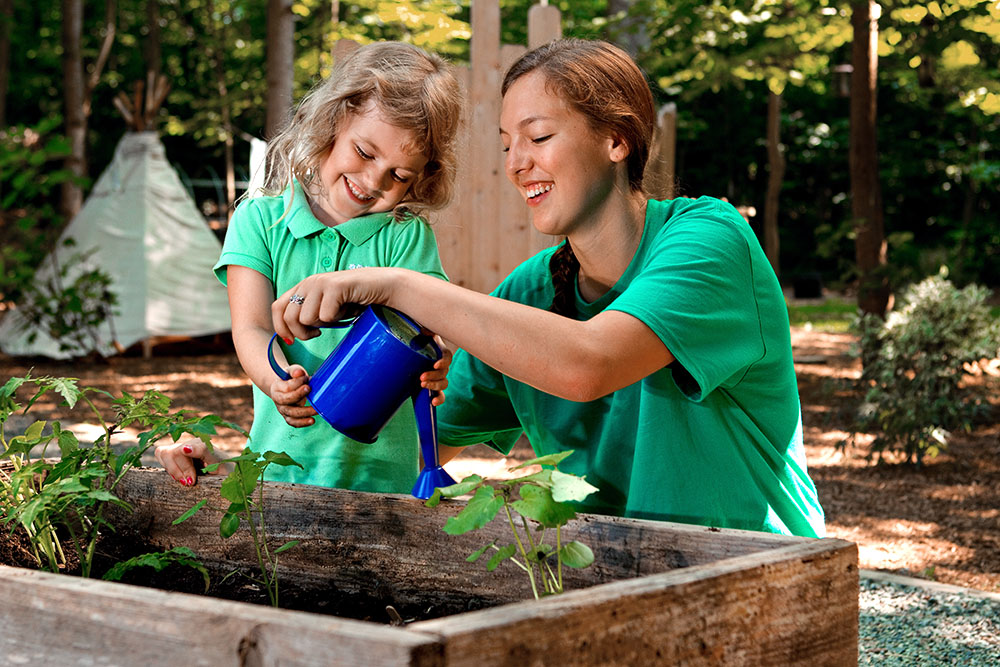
<point>64,500</point>
<point>920,358</point>
<point>542,502</point>
<point>71,304</point>
<point>245,493</point>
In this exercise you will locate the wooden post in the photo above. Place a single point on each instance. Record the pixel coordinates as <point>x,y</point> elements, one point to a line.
<point>544,24</point>
<point>487,231</point>
<point>661,166</point>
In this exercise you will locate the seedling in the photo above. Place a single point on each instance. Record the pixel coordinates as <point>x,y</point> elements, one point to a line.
<point>542,501</point>
<point>245,493</point>
<point>64,500</point>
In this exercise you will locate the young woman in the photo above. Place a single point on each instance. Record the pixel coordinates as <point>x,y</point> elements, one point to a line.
<point>654,341</point>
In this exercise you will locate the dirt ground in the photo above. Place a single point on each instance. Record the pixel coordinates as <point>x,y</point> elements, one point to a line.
<point>940,522</point>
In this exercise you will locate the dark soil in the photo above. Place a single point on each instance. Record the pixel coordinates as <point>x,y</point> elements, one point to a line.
<point>940,521</point>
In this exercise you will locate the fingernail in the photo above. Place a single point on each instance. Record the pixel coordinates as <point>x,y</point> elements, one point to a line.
<point>187,450</point>
<point>288,341</point>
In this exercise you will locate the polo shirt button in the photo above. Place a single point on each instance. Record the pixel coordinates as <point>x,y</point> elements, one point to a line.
<point>327,262</point>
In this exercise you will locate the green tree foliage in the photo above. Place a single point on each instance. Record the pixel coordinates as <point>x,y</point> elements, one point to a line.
<point>939,100</point>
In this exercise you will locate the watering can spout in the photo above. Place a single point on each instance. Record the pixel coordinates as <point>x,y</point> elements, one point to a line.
<point>432,475</point>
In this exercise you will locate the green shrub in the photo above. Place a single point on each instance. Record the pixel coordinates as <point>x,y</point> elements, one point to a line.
<point>915,364</point>
<point>31,177</point>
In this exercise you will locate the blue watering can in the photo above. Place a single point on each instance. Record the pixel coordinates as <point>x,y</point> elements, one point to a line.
<point>361,385</point>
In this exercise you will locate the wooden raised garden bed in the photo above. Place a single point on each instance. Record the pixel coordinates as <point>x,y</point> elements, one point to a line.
<point>657,594</point>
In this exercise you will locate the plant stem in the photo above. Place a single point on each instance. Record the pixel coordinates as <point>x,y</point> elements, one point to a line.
<point>559,555</point>
<point>520,546</point>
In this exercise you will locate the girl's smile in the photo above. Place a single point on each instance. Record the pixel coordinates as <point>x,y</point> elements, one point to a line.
<point>369,169</point>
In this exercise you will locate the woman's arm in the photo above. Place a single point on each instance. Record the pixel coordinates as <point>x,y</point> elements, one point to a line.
<point>579,361</point>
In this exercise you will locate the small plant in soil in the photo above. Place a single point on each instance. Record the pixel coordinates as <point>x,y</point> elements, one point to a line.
<point>245,493</point>
<point>542,502</point>
<point>60,503</point>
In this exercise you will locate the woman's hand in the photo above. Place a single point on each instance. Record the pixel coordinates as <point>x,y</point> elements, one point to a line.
<point>329,297</point>
<point>289,397</point>
<point>180,459</point>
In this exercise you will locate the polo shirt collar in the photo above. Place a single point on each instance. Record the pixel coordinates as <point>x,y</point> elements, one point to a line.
<point>301,222</point>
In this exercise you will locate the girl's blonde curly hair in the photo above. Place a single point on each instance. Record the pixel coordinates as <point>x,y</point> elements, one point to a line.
<point>413,89</point>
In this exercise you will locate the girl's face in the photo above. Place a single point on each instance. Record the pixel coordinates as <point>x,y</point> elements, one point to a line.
<point>560,165</point>
<point>369,169</point>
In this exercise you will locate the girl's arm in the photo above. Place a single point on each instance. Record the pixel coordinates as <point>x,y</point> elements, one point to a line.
<point>579,361</point>
<point>249,295</point>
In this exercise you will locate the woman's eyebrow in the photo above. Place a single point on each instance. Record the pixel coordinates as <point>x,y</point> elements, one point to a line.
<point>524,122</point>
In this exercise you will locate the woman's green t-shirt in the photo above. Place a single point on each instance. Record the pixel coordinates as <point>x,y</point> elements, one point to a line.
<point>713,439</point>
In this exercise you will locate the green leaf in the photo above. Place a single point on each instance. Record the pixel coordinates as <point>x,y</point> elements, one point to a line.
<point>159,561</point>
<point>501,555</point>
<point>67,388</point>
<point>566,487</point>
<point>286,546</point>
<point>477,554</point>
<point>547,460</point>
<point>576,554</point>
<point>229,525</point>
<point>280,458</point>
<point>467,485</point>
<point>479,512</point>
<point>190,513</point>
<point>537,504</point>
<point>66,440</point>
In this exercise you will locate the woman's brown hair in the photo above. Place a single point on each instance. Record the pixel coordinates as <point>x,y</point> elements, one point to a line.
<point>603,83</point>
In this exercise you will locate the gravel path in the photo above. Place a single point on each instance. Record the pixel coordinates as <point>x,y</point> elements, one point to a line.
<point>908,622</point>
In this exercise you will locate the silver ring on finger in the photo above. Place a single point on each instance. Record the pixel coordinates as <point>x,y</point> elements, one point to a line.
<point>297,299</point>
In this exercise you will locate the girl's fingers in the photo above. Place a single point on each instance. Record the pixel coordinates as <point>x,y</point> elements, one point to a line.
<point>178,459</point>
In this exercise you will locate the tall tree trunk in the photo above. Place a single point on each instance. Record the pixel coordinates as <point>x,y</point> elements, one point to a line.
<point>74,100</point>
<point>152,52</point>
<point>280,64</point>
<point>217,56</point>
<point>866,191</point>
<point>775,177</point>
<point>6,27</point>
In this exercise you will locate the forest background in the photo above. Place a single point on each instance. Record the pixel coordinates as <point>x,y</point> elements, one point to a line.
<point>724,64</point>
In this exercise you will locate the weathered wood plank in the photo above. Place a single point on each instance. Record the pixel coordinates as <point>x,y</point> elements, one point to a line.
<point>393,546</point>
<point>52,619</point>
<point>659,593</point>
<point>797,605</point>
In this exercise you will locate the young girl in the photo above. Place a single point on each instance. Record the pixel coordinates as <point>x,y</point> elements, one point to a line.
<point>654,341</point>
<point>366,151</point>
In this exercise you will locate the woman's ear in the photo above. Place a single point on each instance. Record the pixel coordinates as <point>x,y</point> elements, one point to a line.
<point>618,150</point>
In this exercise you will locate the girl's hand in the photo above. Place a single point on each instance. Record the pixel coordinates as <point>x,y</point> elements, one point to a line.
<point>437,379</point>
<point>180,459</point>
<point>289,397</point>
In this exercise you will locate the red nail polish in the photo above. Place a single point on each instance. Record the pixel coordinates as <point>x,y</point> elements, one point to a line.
<point>190,482</point>
<point>288,341</point>
<point>187,450</point>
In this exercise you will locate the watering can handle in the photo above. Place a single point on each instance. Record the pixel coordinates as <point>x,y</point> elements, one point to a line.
<point>281,372</point>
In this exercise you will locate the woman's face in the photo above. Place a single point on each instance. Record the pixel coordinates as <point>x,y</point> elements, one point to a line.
<point>560,165</point>
<point>370,168</point>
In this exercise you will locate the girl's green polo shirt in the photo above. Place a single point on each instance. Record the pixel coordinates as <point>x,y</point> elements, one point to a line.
<point>713,439</point>
<point>287,250</point>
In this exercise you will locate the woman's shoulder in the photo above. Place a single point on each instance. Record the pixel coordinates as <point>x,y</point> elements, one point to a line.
<point>530,280</point>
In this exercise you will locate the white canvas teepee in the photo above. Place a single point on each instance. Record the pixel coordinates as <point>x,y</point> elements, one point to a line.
<point>144,231</point>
